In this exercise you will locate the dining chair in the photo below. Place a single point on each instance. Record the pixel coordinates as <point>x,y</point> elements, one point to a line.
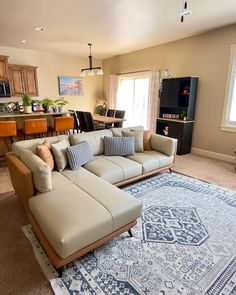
<point>90,125</point>
<point>111,113</point>
<point>119,114</point>
<point>35,127</point>
<point>76,121</point>
<point>82,123</point>
<point>63,124</point>
<point>103,112</point>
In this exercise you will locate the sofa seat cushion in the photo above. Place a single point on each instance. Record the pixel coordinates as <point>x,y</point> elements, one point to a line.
<point>114,168</point>
<point>69,217</point>
<point>151,160</point>
<point>123,207</point>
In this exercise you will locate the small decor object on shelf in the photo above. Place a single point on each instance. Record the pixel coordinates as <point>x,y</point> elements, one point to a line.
<point>100,104</point>
<point>46,104</point>
<point>70,86</point>
<point>27,103</point>
<point>61,102</point>
<point>166,130</point>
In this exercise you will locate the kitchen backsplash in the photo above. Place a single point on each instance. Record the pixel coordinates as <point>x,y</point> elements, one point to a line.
<point>10,107</point>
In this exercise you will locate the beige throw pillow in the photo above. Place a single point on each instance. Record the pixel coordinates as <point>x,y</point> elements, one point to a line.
<point>41,171</point>
<point>59,152</point>
<point>138,139</point>
<point>44,153</point>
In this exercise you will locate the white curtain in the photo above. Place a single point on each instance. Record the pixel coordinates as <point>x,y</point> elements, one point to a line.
<point>153,100</point>
<point>113,90</point>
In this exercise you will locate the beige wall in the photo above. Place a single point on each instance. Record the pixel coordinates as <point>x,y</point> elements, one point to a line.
<point>50,66</point>
<point>206,56</point>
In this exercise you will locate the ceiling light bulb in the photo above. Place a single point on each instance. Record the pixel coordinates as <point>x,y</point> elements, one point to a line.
<point>24,41</point>
<point>100,72</point>
<point>82,74</point>
<point>39,29</point>
<point>186,12</point>
<point>91,73</point>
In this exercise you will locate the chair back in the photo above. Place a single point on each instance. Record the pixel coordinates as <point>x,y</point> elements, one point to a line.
<point>63,123</point>
<point>35,126</point>
<point>76,120</point>
<point>82,123</point>
<point>7,128</point>
<point>119,114</point>
<point>103,112</point>
<point>111,113</point>
<point>90,126</point>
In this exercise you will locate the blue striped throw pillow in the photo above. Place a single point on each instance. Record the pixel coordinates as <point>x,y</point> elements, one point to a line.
<point>118,146</point>
<point>79,154</point>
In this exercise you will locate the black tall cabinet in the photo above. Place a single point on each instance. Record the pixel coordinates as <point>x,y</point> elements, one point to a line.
<point>177,109</point>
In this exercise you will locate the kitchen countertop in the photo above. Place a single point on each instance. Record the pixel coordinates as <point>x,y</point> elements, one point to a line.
<point>18,115</point>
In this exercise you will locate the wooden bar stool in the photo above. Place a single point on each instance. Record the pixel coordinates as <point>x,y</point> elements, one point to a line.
<point>35,127</point>
<point>7,131</point>
<point>63,124</point>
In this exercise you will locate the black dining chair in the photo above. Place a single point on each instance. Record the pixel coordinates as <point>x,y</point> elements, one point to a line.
<point>82,123</point>
<point>111,113</point>
<point>76,121</point>
<point>119,114</point>
<point>103,112</point>
<point>90,125</point>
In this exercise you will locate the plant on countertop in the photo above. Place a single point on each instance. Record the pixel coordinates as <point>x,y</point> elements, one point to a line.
<point>61,102</point>
<point>26,100</point>
<point>46,104</point>
<point>27,103</point>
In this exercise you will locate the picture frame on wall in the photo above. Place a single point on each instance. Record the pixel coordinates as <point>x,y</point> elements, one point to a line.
<point>70,86</point>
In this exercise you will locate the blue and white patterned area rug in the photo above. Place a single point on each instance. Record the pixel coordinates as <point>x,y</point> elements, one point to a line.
<point>184,243</point>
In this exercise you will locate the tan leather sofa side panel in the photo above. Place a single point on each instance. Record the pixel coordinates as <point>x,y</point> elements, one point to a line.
<point>21,177</point>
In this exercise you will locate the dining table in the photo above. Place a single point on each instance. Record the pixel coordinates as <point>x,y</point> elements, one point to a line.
<point>107,120</point>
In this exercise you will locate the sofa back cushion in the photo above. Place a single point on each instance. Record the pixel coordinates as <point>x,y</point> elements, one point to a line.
<point>31,144</point>
<point>119,146</point>
<point>94,139</point>
<point>79,155</point>
<point>118,131</point>
<point>41,172</point>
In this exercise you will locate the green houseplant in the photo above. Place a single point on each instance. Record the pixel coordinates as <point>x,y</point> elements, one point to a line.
<point>46,104</point>
<point>61,102</point>
<point>27,103</point>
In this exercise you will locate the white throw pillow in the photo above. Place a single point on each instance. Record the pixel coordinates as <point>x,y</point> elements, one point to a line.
<point>41,172</point>
<point>59,151</point>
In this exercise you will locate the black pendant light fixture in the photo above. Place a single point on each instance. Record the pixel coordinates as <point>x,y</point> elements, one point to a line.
<point>185,11</point>
<point>91,69</point>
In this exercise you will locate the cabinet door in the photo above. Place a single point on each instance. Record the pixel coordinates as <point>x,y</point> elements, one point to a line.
<point>3,68</point>
<point>17,81</point>
<point>170,93</point>
<point>30,81</point>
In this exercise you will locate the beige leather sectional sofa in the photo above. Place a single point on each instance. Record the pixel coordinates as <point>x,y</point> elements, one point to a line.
<point>85,207</point>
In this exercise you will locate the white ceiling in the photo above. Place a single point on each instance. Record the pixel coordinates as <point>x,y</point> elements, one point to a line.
<point>114,27</point>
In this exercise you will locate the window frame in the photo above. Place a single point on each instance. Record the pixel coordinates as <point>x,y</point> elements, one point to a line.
<point>226,124</point>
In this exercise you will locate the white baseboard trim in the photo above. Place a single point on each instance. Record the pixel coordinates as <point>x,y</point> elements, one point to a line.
<point>213,155</point>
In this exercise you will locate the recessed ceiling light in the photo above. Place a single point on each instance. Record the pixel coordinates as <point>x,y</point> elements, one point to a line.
<point>39,29</point>
<point>24,41</point>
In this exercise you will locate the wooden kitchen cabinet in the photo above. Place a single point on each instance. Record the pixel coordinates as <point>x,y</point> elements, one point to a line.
<point>4,67</point>
<point>23,80</point>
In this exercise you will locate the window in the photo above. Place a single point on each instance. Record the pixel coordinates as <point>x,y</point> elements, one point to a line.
<point>133,98</point>
<point>229,111</point>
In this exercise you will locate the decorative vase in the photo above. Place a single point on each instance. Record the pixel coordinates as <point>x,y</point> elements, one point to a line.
<point>45,108</point>
<point>28,109</point>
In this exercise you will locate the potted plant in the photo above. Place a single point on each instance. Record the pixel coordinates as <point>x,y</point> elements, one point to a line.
<point>27,103</point>
<point>61,102</point>
<point>46,104</point>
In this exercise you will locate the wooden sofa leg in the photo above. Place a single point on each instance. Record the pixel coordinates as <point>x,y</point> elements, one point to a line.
<point>60,271</point>
<point>170,170</point>
<point>130,233</point>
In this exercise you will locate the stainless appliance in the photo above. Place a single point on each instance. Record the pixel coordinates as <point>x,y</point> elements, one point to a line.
<point>5,89</point>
